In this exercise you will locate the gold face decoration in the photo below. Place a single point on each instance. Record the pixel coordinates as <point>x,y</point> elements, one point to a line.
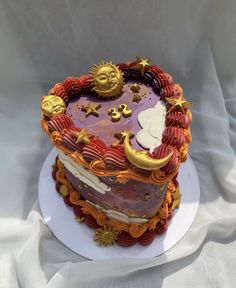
<point>52,105</point>
<point>107,80</point>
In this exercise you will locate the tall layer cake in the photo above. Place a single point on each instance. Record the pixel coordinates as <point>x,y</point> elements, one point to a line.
<point>121,133</point>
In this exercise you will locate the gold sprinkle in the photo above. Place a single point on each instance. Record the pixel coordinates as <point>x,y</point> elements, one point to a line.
<point>79,219</point>
<point>135,88</point>
<point>136,98</point>
<point>64,191</point>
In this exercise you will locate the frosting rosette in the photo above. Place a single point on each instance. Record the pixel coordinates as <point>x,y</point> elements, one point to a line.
<point>94,149</point>
<point>172,90</point>
<point>72,86</point>
<point>174,136</point>
<point>114,158</point>
<point>178,119</point>
<point>162,151</point>
<point>70,141</point>
<point>59,123</point>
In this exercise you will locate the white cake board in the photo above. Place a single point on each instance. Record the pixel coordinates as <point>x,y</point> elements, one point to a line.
<point>79,238</point>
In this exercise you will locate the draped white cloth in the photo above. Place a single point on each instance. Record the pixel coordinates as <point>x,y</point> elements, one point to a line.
<point>43,42</point>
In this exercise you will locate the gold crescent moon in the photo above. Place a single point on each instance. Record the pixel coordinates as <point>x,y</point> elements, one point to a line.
<point>141,159</point>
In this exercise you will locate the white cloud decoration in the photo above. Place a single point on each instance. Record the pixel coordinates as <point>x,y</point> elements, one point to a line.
<point>152,121</point>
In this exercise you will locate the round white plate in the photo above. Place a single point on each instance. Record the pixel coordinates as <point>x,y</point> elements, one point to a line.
<point>79,238</point>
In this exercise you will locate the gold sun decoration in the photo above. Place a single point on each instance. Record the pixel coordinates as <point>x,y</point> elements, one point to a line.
<point>106,236</point>
<point>107,79</point>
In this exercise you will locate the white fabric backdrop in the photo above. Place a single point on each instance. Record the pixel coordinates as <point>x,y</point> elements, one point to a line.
<point>42,42</point>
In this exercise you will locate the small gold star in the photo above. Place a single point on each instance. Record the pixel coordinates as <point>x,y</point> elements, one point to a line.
<point>91,109</point>
<point>179,102</point>
<point>136,98</point>
<point>79,219</point>
<point>142,64</point>
<point>135,87</point>
<point>177,198</point>
<point>81,136</point>
<point>121,136</point>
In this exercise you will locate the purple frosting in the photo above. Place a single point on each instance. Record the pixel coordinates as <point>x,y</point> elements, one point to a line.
<point>102,126</point>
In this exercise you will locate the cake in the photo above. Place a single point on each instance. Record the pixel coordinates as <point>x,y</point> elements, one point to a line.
<point>121,133</point>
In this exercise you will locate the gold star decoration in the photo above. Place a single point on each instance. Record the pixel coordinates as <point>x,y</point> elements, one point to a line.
<point>106,236</point>
<point>121,137</point>
<point>136,98</point>
<point>81,136</point>
<point>79,219</point>
<point>135,88</point>
<point>177,198</point>
<point>178,103</point>
<point>91,109</point>
<point>142,64</point>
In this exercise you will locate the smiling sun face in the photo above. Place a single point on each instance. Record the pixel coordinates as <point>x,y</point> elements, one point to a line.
<point>107,80</point>
<point>52,105</point>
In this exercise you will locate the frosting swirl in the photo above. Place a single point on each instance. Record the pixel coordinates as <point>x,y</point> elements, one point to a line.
<point>59,90</point>
<point>86,83</point>
<point>59,123</point>
<point>162,151</point>
<point>172,90</point>
<point>147,237</point>
<point>94,149</point>
<point>177,119</point>
<point>174,136</point>
<point>72,86</point>
<point>155,69</point>
<point>70,141</point>
<point>114,158</point>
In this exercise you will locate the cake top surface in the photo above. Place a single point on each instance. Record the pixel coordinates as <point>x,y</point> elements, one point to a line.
<point>108,127</point>
<point>128,116</point>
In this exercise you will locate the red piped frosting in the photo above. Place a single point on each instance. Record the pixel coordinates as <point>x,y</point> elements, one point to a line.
<point>147,237</point>
<point>122,66</point>
<point>91,222</point>
<point>59,123</point>
<point>173,90</point>
<point>70,141</point>
<point>162,151</point>
<point>60,91</point>
<point>114,158</point>
<point>124,239</point>
<point>78,211</point>
<point>72,86</point>
<point>162,228</point>
<point>173,136</point>
<point>94,149</point>
<point>163,79</point>
<point>177,119</point>
<point>155,69</point>
<point>86,83</point>
<point>67,201</point>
